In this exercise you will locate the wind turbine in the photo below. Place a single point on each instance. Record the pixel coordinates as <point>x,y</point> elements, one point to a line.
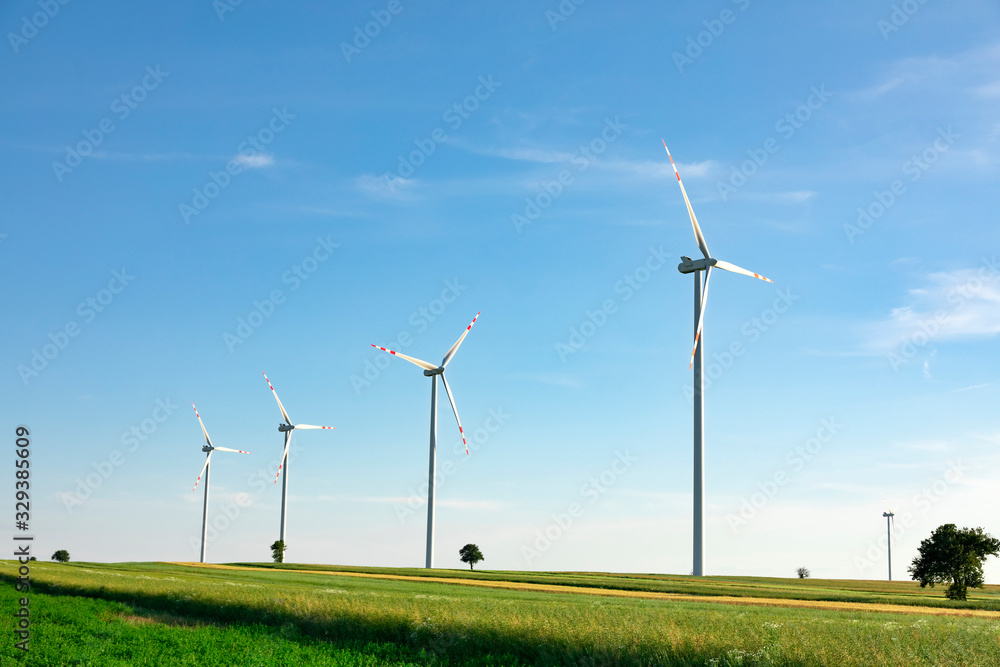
<point>890,527</point>
<point>694,266</point>
<point>287,429</point>
<point>208,448</point>
<point>433,372</point>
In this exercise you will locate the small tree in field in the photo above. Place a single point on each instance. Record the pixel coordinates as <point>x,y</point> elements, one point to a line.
<point>278,551</point>
<point>802,572</point>
<point>955,556</point>
<point>61,556</point>
<point>470,554</point>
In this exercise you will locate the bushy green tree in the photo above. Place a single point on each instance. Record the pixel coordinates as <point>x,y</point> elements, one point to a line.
<point>956,556</point>
<point>61,556</point>
<point>278,551</point>
<point>802,572</point>
<point>470,554</point>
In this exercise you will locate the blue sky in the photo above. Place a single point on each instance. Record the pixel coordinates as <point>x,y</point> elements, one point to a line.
<point>271,189</point>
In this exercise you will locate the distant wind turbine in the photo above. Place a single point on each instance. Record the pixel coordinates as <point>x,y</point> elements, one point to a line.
<point>433,372</point>
<point>208,448</point>
<point>890,527</point>
<point>287,427</point>
<point>689,265</point>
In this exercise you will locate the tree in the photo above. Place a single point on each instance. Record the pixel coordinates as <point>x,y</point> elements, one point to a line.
<point>802,572</point>
<point>955,556</point>
<point>61,556</point>
<point>278,551</point>
<point>470,554</point>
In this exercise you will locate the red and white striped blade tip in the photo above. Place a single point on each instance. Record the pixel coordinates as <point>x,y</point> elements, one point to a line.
<point>426,365</point>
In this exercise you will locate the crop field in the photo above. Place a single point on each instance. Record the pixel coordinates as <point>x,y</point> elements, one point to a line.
<point>262,614</point>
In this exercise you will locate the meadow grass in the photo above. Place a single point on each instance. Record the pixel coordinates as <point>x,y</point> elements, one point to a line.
<point>149,613</point>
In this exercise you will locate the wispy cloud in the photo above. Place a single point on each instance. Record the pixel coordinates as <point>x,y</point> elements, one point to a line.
<point>954,304</point>
<point>257,161</point>
<point>381,187</point>
<point>975,386</point>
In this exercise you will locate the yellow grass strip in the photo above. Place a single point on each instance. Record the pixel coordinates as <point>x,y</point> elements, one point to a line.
<point>829,605</point>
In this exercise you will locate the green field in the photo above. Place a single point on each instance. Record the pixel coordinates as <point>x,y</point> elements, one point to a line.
<point>171,614</point>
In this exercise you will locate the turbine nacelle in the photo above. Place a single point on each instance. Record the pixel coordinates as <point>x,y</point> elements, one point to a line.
<point>206,448</point>
<point>284,427</point>
<point>437,371</point>
<point>689,265</point>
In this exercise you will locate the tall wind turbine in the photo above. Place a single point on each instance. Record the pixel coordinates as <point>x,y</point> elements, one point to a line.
<point>433,372</point>
<point>208,448</point>
<point>695,266</point>
<point>287,429</point>
<point>890,527</point>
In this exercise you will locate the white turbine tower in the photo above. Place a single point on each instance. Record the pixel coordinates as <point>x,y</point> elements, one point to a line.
<point>208,448</point>
<point>287,429</point>
<point>433,372</point>
<point>695,266</point>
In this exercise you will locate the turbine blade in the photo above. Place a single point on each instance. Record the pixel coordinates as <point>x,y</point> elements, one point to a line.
<point>207,439</point>
<point>280,406</point>
<point>226,449</point>
<point>694,221</point>
<point>726,266</point>
<point>284,455</point>
<point>313,427</point>
<point>202,472</point>
<point>701,314</point>
<point>451,399</point>
<point>886,503</point>
<point>454,348</point>
<point>413,360</point>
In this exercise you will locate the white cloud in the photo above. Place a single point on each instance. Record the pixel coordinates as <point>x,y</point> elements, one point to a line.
<point>258,161</point>
<point>382,187</point>
<point>955,304</point>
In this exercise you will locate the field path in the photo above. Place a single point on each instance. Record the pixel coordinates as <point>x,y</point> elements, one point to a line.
<point>651,595</point>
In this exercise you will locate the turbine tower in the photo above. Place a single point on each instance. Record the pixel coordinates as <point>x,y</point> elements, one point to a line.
<point>433,372</point>
<point>695,267</point>
<point>208,448</point>
<point>287,427</point>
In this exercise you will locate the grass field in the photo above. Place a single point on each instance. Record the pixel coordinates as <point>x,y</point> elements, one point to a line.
<point>179,614</point>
